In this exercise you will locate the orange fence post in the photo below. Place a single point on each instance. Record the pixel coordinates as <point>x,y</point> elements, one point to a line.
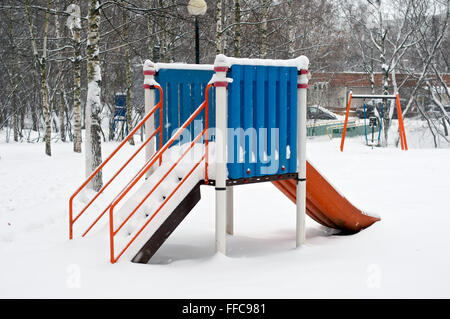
<point>346,121</point>
<point>400,130</point>
<point>401,123</point>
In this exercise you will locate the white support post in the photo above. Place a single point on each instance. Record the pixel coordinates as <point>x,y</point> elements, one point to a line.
<point>230,218</point>
<point>301,155</point>
<point>221,151</point>
<point>149,101</point>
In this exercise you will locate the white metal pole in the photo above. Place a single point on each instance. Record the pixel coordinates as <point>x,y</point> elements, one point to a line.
<point>149,101</point>
<point>301,156</point>
<point>230,217</point>
<point>221,151</point>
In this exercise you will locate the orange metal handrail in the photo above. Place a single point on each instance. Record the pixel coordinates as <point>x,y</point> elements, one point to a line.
<point>148,165</point>
<point>72,220</point>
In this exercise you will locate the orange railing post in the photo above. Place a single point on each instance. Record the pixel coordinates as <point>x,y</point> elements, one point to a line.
<point>344,131</point>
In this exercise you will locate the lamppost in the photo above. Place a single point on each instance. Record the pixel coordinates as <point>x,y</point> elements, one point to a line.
<point>197,8</point>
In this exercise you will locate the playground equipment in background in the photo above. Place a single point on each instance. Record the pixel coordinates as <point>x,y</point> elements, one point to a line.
<point>353,129</point>
<point>401,126</point>
<point>373,123</point>
<point>120,116</point>
<point>199,108</point>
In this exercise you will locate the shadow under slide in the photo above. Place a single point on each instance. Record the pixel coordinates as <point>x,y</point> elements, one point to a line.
<point>325,204</point>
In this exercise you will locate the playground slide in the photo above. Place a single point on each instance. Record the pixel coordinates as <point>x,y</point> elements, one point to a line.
<point>325,205</point>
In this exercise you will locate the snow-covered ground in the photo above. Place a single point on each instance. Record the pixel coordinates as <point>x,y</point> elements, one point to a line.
<point>404,255</point>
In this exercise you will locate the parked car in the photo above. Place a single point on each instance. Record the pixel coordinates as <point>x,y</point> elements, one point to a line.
<point>316,112</point>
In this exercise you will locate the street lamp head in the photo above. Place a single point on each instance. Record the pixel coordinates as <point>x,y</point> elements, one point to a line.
<point>74,18</point>
<point>197,7</point>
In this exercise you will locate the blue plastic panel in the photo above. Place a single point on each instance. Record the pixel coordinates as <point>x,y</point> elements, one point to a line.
<point>184,91</point>
<point>121,100</point>
<point>262,117</point>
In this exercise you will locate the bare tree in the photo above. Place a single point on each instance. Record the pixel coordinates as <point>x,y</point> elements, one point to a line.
<point>41,62</point>
<point>93,103</point>
<point>237,29</point>
<point>265,14</point>
<point>427,47</point>
<point>391,38</point>
<point>125,22</point>
<point>291,29</point>
<point>60,84</point>
<point>74,25</point>
<point>12,77</point>
<point>219,27</point>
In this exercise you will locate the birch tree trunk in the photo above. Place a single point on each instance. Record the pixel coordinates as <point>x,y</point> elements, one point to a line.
<point>77,88</point>
<point>93,103</point>
<point>74,24</point>
<point>13,100</point>
<point>62,129</point>
<point>128,74</point>
<point>380,44</point>
<point>265,11</point>
<point>41,61</point>
<point>162,35</point>
<point>150,31</point>
<point>13,75</point>
<point>219,35</point>
<point>237,28</point>
<point>372,75</point>
<point>291,30</point>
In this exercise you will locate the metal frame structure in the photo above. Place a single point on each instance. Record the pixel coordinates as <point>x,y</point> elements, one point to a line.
<point>395,97</point>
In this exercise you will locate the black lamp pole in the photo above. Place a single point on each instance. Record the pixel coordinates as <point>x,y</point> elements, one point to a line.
<point>197,42</point>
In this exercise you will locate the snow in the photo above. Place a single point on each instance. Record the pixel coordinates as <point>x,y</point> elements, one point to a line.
<point>300,62</point>
<point>325,110</point>
<point>149,65</point>
<point>153,210</point>
<point>73,20</point>
<point>184,66</point>
<point>93,102</point>
<point>405,255</point>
